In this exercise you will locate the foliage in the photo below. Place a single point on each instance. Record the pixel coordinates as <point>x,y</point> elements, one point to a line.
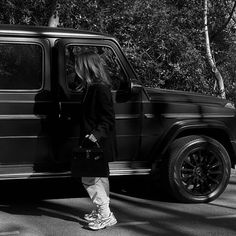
<point>164,39</point>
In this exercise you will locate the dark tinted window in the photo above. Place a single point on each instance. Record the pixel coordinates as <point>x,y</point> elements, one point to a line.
<point>116,74</point>
<point>20,66</point>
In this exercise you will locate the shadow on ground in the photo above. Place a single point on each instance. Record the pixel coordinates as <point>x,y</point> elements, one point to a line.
<point>30,190</point>
<point>33,190</point>
<point>141,187</point>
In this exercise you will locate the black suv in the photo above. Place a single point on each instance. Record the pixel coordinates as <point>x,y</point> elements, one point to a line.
<point>188,137</point>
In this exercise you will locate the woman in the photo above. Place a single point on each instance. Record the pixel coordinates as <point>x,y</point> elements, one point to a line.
<point>97,125</point>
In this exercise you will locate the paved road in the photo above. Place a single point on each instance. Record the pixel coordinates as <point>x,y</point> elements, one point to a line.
<point>54,209</point>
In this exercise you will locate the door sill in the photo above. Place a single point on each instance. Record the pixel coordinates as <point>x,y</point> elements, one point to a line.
<point>118,168</point>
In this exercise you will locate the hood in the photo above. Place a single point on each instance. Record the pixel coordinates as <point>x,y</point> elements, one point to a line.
<point>155,94</point>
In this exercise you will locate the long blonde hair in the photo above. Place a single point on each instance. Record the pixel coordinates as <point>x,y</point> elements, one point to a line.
<point>89,68</point>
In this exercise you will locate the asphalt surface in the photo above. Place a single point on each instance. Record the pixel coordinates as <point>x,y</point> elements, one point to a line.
<point>57,208</point>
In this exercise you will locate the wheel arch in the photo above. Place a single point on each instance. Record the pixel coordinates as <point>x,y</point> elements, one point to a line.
<point>212,128</point>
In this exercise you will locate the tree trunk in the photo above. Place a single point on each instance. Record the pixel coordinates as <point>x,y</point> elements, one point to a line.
<point>211,61</point>
<point>54,18</point>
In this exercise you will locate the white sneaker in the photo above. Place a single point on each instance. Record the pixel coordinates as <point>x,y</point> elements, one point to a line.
<point>102,222</point>
<point>91,216</point>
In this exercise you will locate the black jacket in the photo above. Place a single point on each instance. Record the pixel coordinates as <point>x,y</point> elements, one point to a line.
<point>98,118</point>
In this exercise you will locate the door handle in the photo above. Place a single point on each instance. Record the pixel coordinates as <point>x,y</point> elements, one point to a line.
<point>61,115</point>
<point>59,110</point>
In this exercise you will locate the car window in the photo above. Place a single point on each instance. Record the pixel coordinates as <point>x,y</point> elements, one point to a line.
<point>20,66</point>
<point>116,74</point>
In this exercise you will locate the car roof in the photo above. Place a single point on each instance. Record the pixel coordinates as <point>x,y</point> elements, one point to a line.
<point>51,32</point>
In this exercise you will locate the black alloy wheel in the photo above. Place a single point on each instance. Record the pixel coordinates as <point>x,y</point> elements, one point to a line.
<point>199,169</point>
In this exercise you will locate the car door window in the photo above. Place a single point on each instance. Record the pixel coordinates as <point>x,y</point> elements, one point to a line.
<point>20,66</point>
<point>116,74</point>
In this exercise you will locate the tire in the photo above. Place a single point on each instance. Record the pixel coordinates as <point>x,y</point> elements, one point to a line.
<point>198,169</point>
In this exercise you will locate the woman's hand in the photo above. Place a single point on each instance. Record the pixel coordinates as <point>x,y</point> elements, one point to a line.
<point>91,137</point>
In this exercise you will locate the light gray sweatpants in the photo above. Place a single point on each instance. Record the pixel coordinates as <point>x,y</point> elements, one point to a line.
<point>98,191</point>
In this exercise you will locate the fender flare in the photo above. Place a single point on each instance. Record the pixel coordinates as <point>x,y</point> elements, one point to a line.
<point>179,127</point>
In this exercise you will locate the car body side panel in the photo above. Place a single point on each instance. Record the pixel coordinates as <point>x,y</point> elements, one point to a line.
<point>37,130</point>
<point>167,115</point>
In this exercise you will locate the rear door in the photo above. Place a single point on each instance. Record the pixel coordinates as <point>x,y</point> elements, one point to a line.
<point>24,105</point>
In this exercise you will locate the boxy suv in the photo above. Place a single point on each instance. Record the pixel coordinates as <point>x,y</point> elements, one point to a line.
<point>188,138</point>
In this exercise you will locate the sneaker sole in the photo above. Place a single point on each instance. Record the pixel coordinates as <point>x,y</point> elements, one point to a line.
<point>107,225</point>
<point>112,223</point>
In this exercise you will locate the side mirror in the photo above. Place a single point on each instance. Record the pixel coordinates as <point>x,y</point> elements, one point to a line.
<point>125,95</point>
<point>135,88</point>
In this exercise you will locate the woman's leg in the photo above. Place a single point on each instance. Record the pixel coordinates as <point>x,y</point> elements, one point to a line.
<point>98,191</point>
<point>105,182</point>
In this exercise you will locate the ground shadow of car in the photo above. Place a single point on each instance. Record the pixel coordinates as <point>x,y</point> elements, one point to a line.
<point>144,187</point>
<point>136,186</point>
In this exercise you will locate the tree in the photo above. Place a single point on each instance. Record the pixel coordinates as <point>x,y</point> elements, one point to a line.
<point>54,16</point>
<point>164,39</point>
<point>210,58</point>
